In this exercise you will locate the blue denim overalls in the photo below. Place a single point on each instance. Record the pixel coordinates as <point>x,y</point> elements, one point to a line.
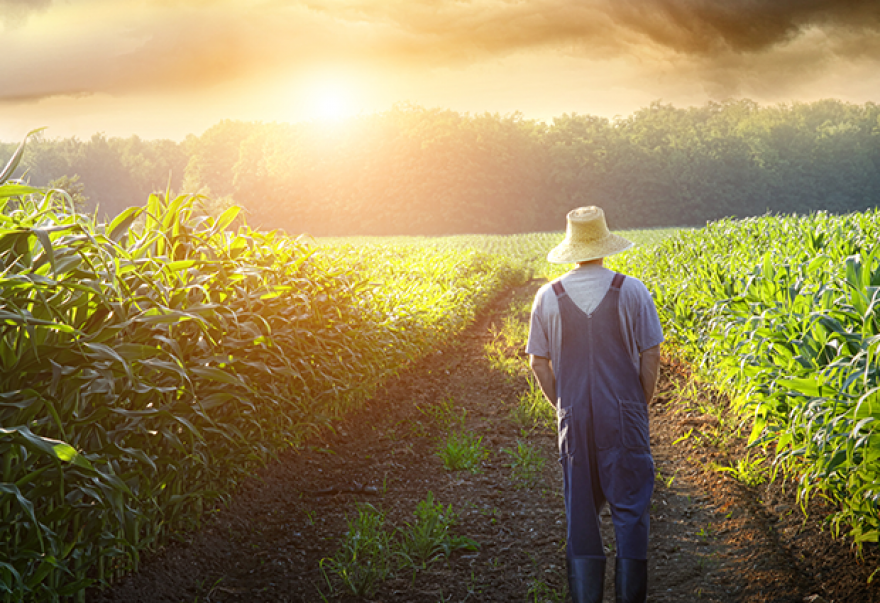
<point>603,430</point>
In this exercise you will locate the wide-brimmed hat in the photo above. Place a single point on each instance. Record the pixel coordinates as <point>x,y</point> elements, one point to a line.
<point>587,238</point>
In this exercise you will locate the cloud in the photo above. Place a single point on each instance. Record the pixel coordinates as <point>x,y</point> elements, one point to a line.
<point>15,12</point>
<point>700,27</point>
<point>178,45</point>
<point>707,27</point>
<point>732,47</point>
<point>102,47</point>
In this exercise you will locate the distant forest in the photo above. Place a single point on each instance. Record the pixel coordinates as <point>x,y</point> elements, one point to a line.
<point>413,170</point>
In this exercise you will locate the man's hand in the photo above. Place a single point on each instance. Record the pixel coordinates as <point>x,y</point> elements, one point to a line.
<point>546,379</point>
<point>648,370</point>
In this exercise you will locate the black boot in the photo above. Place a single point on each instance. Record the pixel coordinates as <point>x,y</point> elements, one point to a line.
<point>586,579</point>
<point>631,580</point>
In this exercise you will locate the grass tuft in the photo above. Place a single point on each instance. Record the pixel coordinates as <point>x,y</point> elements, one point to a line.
<point>527,463</point>
<point>463,451</point>
<point>429,536</point>
<point>365,556</point>
<point>532,411</point>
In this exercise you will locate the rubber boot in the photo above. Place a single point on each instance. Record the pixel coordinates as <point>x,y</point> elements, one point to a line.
<point>631,580</point>
<point>586,579</point>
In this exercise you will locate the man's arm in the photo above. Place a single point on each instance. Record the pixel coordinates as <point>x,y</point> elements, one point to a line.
<point>648,369</point>
<point>546,378</point>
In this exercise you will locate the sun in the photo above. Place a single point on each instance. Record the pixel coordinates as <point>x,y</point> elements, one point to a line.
<point>331,99</point>
<point>328,95</point>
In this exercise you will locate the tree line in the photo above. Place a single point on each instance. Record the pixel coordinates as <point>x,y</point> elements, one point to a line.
<point>103,174</point>
<point>413,170</point>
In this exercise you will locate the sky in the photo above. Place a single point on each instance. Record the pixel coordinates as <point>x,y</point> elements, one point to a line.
<point>169,68</point>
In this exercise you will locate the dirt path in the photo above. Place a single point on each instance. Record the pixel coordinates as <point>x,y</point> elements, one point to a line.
<point>712,538</point>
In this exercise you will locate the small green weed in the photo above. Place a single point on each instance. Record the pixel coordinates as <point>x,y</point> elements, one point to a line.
<point>684,437</point>
<point>473,586</point>
<point>532,410</point>
<point>428,537</point>
<point>365,557</point>
<point>747,471</point>
<point>541,592</point>
<point>492,514</point>
<point>500,359</point>
<point>541,589</point>
<point>395,432</point>
<point>463,451</point>
<point>201,584</point>
<point>667,481</point>
<point>444,414</point>
<point>505,351</point>
<point>526,462</point>
<point>705,532</point>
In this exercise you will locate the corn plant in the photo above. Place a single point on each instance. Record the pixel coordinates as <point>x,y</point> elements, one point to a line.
<point>13,162</point>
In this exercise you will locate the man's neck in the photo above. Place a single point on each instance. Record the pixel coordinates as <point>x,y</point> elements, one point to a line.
<point>597,262</point>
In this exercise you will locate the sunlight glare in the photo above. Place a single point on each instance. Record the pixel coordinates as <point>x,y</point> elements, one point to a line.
<point>331,100</point>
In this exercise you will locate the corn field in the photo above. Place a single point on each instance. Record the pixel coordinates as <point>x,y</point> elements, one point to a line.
<point>151,363</point>
<point>784,313</point>
<point>529,251</point>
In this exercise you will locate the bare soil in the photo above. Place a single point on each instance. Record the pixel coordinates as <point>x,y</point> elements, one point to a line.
<point>713,538</point>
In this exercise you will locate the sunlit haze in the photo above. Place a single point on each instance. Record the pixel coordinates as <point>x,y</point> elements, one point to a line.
<point>168,68</point>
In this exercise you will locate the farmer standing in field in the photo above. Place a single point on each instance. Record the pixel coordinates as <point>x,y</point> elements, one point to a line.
<point>594,346</point>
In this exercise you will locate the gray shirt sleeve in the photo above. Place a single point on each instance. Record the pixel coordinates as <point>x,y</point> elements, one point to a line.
<point>643,329</point>
<point>539,337</point>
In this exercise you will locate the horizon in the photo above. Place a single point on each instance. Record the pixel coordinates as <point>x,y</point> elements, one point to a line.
<point>45,131</point>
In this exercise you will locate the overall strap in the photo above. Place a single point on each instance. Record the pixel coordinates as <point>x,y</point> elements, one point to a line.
<point>558,289</point>
<point>617,281</point>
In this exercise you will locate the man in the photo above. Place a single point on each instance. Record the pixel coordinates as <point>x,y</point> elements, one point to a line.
<point>594,346</point>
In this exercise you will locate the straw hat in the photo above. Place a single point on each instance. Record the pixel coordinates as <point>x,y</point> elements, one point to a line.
<point>587,238</point>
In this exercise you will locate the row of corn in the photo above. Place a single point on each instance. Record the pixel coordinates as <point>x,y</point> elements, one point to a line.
<point>149,364</point>
<point>784,312</point>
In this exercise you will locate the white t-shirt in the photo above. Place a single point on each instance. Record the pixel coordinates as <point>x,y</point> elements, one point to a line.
<point>586,286</point>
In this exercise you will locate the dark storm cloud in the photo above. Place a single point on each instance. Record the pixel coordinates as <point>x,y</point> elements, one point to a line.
<point>730,46</point>
<point>698,27</point>
<point>710,26</point>
<point>180,44</point>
